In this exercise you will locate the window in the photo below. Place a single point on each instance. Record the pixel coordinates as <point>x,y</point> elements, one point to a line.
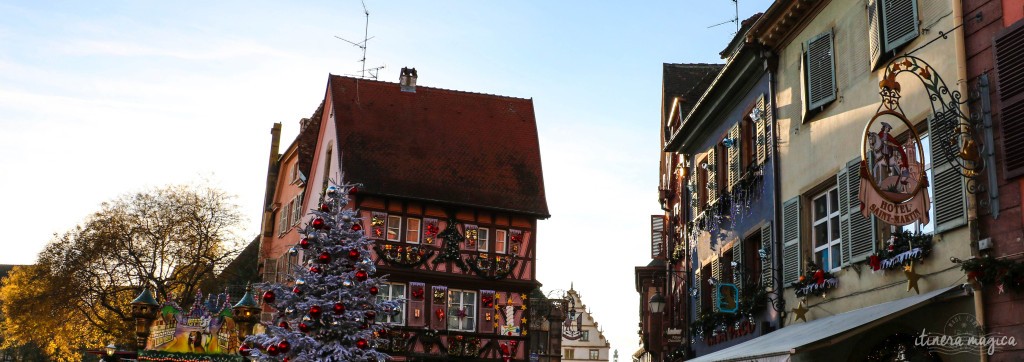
<point>284,218</point>
<point>392,291</point>
<point>461,310</point>
<point>270,270</point>
<point>891,24</point>
<point>584,336</point>
<point>706,302</point>
<point>296,209</point>
<point>412,230</point>
<point>595,354</point>
<point>825,230</point>
<point>500,241</point>
<point>293,173</point>
<point>481,239</point>
<point>569,354</point>
<point>819,71</point>
<point>394,227</point>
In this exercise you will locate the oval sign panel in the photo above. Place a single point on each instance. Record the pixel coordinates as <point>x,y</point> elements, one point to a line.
<point>894,185</point>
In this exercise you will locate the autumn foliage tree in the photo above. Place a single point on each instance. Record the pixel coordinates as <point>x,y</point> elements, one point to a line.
<point>77,294</point>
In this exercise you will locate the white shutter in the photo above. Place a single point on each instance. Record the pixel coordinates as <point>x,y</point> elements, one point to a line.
<point>899,22</point>
<point>950,201</point>
<point>767,279</point>
<point>716,272</point>
<point>820,70</point>
<point>791,240</point>
<point>761,137</point>
<point>739,273</point>
<point>859,241</point>
<point>843,186</point>
<point>712,176</point>
<point>697,298</point>
<point>657,235</point>
<point>694,198</point>
<point>734,155</point>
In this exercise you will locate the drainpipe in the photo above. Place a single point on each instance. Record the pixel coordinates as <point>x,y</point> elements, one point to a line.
<point>770,65</point>
<point>972,209</point>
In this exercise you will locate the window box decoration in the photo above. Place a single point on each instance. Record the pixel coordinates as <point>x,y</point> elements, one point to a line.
<point>408,256</point>
<point>901,249</point>
<point>991,271</point>
<point>815,281</point>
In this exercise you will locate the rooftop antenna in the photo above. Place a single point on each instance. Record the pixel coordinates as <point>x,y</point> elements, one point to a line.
<point>735,19</point>
<point>362,45</point>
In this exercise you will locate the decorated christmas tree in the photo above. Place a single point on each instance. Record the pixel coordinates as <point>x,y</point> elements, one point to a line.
<point>328,311</point>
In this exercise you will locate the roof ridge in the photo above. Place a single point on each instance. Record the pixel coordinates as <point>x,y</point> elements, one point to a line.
<point>437,88</point>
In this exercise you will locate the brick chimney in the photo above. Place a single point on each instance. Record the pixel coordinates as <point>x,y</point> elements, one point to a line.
<point>408,80</point>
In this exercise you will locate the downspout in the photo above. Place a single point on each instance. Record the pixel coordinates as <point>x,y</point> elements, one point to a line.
<point>972,209</point>
<point>770,64</point>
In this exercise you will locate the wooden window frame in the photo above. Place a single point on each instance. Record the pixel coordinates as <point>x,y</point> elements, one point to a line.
<point>397,229</point>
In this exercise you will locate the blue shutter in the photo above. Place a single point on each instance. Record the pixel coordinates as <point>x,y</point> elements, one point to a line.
<point>820,70</point>
<point>899,22</point>
<point>859,241</point>
<point>791,240</point>
<point>950,201</point>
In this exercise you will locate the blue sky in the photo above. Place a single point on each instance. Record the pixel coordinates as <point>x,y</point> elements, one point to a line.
<point>98,99</point>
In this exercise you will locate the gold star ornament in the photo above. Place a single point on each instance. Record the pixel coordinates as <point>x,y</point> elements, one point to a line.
<point>800,312</point>
<point>912,278</point>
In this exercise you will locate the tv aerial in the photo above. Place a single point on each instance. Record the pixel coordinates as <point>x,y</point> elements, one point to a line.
<point>362,45</point>
<point>735,19</point>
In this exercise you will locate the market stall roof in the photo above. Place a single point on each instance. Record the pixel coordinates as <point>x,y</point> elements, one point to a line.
<point>783,343</point>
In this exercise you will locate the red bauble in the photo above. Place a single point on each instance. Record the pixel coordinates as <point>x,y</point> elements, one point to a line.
<point>297,291</point>
<point>374,290</point>
<point>304,243</point>
<point>272,350</point>
<point>314,269</point>
<point>243,350</point>
<point>268,296</point>
<point>318,223</point>
<point>284,346</point>
<point>371,314</point>
<point>315,311</point>
<point>361,275</point>
<point>353,190</point>
<point>324,258</point>
<point>339,308</point>
<point>357,227</point>
<point>353,254</point>
<point>325,207</point>
<point>362,344</point>
<point>303,327</point>
<point>284,325</point>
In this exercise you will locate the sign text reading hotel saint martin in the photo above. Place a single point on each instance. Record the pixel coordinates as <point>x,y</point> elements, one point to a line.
<point>893,182</point>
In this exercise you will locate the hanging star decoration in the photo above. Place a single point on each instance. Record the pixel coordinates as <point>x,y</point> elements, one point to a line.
<point>801,312</point>
<point>912,278</point>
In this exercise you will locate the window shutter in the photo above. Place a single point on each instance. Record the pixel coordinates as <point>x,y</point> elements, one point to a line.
<point>950,201</point>
<point>843,184</point>
<point>657,235</point>
<point>899,22</point>
<point>739,273</point>
<point>694,198</point>
<point>270,270</point>
<point>734,155</point>
<point>859,241</point>
<point>791,240</point>
<point>712,176</point>
<point>874,34</point>
<point>767,279</point>
<point>716,272</point>
<point>1009,49</point>
<point>821,75</point>
<point>760,137</point>
<point>698,297</point>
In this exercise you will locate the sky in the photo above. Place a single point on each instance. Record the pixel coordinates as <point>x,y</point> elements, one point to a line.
<point>100,99</point>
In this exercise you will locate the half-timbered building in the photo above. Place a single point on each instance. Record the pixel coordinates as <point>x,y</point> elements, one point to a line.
<point>451,189</point>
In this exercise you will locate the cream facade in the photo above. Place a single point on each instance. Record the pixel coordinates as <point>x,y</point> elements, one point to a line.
<point>582,339</point>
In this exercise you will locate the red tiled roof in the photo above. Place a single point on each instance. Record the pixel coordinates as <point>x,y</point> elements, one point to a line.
<point>440,145</point>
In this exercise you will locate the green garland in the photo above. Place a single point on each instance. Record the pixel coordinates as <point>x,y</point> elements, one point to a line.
<point>902,242</point>
<point>808,284</point>
<point>991,271</point>
<point>749,304</point>
<point>162,356</point>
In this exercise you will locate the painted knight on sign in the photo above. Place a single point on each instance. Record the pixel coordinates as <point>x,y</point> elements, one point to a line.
<point>894,186</point>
